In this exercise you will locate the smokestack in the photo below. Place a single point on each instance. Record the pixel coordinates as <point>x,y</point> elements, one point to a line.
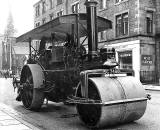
<point>92,28</point>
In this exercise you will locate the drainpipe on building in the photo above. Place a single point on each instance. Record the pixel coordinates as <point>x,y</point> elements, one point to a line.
<point>138,6</point>
<point>157,45</point>
<point>66,6</point>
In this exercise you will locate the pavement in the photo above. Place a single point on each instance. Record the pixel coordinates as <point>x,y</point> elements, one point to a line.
<point>11,120</point>
<point>151,87</point>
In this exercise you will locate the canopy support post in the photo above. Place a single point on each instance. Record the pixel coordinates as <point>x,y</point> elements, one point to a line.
<point>30,53</point>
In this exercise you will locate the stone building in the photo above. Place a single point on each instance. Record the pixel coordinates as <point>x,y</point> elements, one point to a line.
<point>6,52</point>
<point>12,54</point>
<point>135,33</point>
<point>132,35</point>
<point>20,52</point>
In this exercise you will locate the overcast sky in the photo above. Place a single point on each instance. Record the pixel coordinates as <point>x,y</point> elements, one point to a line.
<point>22,12</point>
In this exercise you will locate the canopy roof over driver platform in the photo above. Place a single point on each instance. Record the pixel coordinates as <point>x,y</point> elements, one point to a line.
<point>64,25</point>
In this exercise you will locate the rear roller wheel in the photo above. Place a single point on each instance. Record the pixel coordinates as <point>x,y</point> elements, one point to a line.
<point>32,98</point>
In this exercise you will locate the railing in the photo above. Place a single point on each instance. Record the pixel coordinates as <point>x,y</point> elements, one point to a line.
<point>129,72</point>
<point>148,77</point>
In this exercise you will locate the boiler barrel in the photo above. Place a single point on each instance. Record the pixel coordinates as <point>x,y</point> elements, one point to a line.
<point>123,101</point>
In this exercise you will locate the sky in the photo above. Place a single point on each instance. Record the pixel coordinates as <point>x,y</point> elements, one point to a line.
<point>22,12</point>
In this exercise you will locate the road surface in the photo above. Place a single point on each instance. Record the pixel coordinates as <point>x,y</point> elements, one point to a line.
<point>62,117</point>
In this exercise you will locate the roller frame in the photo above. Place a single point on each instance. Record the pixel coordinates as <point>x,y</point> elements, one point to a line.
<point>77,100</point>
<point>84,91</point>
<point>123,103</point>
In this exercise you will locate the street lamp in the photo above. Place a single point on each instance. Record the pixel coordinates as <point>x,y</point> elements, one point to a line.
<point>10,56</point>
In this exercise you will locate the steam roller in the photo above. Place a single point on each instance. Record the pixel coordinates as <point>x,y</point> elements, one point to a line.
<point>110,100</point>
<point>102,96</point>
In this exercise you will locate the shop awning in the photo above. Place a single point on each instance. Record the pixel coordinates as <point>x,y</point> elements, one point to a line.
<point>64,25</point>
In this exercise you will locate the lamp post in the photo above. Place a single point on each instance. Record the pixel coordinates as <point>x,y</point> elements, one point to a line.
<point>5,51</point>
<point>10,55</point>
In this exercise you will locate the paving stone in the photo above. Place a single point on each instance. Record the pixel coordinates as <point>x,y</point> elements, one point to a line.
<point>10,119</point>
<point>11,111</point>
<point>2,113</point>
<point>5,117</point>
<point>15,127</point>
<point>9,122</point>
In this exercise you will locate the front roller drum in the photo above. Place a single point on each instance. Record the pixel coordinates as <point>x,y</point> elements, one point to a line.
<point>119,101</point>
<point>32,80</point>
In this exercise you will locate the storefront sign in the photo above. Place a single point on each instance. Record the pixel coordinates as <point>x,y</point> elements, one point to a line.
<point>125,54</point>
<point>147,60</point>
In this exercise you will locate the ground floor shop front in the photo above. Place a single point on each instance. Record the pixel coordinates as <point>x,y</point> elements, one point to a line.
<point>137,57</point>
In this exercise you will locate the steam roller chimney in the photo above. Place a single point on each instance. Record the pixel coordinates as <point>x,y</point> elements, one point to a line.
<point>91,28</point>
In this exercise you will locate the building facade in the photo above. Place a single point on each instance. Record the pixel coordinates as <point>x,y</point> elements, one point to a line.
<point>6,52</point>
<point>20,52</point>
<point>12,55</point>
<point>135,33</point>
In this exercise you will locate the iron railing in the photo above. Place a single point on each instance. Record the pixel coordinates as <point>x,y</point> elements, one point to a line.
<point>148,77</point>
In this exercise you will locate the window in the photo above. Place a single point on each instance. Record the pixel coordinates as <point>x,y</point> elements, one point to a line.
<point>51,17</point>
<point>51,4</point>
<point>149,22</point>
<point>43,20</point>
<point>37,24</point>
<point>43,7</point>
<point>102,35</point>
<point>103,4</point>
<point>75,8</point>
<point>125,60</point>
<point>118,1</point>
<point>37,10</point>
<point>122,24</point>
<point>125,24</point>
<point>37,42</point>
<point>59,2</point>
<point>60,13</point>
